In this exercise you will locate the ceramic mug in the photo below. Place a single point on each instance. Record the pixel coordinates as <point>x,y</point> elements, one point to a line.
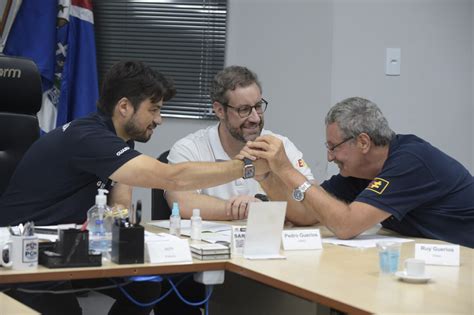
<point>22,252</point>
<point>415,267</point>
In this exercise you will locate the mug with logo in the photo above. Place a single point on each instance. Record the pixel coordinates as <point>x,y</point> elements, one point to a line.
<point>22,252</point>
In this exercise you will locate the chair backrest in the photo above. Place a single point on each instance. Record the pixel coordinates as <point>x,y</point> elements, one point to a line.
<point>160,209</point>
<point>21,96</point>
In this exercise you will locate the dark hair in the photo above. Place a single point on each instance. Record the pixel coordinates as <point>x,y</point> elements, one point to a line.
<point>135,81</point>
<point>229,79</point>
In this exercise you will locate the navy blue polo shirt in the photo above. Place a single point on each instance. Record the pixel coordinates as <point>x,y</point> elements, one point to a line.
<point>58,177</point>
<point>428,193</point>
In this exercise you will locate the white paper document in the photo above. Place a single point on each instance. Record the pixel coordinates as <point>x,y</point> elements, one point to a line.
<point>207,226</point>
<point>222,237</point>
<point>364,241</point>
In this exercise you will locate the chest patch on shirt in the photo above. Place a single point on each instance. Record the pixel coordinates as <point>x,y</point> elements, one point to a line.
<point>301,163</point>
<point>378,185</point>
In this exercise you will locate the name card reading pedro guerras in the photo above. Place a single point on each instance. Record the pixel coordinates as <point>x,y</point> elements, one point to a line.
<point>301,239</point>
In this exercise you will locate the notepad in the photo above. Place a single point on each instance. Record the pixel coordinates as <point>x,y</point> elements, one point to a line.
<point>264,226</point>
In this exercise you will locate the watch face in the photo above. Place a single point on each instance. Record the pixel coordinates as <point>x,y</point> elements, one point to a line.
<point>249,171</point>
<point>298,195</point>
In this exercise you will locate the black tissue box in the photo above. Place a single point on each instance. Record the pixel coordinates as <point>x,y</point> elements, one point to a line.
<point>128,244</point>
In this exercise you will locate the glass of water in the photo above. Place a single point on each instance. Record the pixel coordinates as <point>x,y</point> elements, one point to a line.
<point>389,256</point>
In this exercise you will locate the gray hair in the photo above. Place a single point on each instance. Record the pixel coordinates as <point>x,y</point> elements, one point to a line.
<point>357,115</point>
<point>229,79</point>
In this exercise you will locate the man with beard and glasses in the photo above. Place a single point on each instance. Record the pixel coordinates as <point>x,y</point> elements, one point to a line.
<point>237,99</point>
<point>402,181</point>
<point>58,177</point>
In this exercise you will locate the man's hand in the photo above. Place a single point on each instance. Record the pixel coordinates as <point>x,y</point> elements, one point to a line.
<point>237,207</point>
<point>269,148</point>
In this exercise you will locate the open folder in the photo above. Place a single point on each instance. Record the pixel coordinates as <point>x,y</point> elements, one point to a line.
<point>264,226</point>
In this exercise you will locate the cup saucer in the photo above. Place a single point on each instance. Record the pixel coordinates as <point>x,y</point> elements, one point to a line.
<point>412,279</point>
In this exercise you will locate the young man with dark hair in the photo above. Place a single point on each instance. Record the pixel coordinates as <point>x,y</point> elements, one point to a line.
<point>57,179</point>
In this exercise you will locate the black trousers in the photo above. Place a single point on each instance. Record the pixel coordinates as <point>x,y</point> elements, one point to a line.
<point>172,304</point>
<point>61,304</point>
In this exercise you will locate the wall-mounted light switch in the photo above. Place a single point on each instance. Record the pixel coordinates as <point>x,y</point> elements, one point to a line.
<point>393,61</point>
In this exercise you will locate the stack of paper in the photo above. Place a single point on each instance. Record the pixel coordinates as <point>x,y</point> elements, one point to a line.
<point>210,251</point>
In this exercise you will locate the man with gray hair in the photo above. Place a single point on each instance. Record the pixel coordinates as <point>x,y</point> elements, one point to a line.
<point>401,181</point>
<point>237,99</point>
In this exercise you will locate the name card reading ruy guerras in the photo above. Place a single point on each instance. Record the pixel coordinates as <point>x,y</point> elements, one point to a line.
<point>438,254</point>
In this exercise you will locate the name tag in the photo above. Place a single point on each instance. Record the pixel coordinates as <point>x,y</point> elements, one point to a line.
<point>435,254</point>
<point>238,240</point>
<point>168,251</point>
<point>301,239</point>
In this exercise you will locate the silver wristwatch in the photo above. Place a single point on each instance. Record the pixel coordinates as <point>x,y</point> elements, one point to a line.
<point>298,193</point>
<point>249,169</point>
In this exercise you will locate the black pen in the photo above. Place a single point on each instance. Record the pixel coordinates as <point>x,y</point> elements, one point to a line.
<point>138,212</point>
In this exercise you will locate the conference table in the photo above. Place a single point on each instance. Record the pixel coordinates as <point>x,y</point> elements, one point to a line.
<point>342,278</point>
<point>9,306</point>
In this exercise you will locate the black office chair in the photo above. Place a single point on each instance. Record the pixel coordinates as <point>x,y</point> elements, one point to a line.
<point>160,209</point>
<point>21,96</point>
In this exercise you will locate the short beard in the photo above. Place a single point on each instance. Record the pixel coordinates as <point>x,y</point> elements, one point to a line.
<point>135,133</point>
<point>236,132</point>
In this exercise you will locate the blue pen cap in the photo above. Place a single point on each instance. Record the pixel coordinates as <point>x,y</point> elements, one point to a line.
<point>175,210</point>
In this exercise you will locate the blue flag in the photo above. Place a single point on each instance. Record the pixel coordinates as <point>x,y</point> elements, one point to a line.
<point>59,37</point>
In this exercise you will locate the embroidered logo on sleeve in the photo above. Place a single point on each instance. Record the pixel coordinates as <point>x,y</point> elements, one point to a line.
<point>121,151</point>
<point>378,185</point>
<point>301,163</point>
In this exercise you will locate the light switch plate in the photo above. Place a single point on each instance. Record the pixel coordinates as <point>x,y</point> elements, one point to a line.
<point>393,61</point>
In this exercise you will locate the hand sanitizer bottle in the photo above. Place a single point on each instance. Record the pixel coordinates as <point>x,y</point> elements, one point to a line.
<point>175,221</point>
<point>196,225</point>
<point>99,225</point>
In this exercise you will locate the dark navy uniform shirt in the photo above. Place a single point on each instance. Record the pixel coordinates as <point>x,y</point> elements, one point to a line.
<point>58,177</point>
<point>427,193</point>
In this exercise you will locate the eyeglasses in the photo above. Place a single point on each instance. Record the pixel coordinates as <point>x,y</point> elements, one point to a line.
<point>246,110</point>
<point>332,148</point>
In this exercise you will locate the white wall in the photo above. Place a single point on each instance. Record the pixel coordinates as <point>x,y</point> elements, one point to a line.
<point>432,98</point>
<point>310,54</point>
<point>288,44</point>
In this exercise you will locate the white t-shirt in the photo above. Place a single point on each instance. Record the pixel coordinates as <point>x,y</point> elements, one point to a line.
<point>205,146</point>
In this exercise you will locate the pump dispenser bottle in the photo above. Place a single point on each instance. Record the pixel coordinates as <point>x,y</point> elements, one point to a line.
<point>100,225</point>
<point>196,225</point>
<point>175,220</point>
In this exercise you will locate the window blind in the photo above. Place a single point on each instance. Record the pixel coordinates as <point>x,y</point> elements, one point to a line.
<point>184,40</point>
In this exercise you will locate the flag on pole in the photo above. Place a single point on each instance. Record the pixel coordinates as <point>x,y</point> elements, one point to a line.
<point>59,37</point>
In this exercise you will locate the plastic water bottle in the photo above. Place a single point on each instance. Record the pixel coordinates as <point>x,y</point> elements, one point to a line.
<point>196,225</point>
<point>175,220</point>
<point>100,225</point>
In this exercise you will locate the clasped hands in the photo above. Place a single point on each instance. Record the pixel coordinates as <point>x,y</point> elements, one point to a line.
<point>269,156</point>
<point>268,153</point>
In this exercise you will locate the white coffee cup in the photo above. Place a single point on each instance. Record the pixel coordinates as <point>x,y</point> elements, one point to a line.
<point>22,252</point>
<point>415,267</point>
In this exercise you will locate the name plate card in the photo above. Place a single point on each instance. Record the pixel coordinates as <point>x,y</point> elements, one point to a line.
<point>238,240</point>
<point>168,251</point>
<point>436,254</point>
<point>302,239</point>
